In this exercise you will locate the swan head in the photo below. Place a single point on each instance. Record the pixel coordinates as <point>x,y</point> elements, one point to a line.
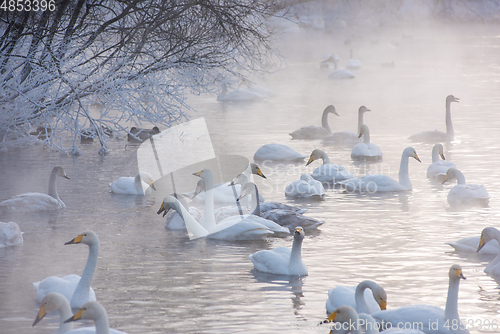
<point>305,177</point>
<point>51,302</point>
<point>343,314</point>
<point>168,203</point>
<point>440,150</point>
<point>147,178</point>
<point>204,174</point>
<point>410,152</point>
<point>455,272</point>
<point>331,109</point>
<point>451,173</point>
<point>451,98</point>
<point>200,186</point>
<point>488,233</point>
<point>299,233</point>
<point>90,310</point>
<point>364,129</point>
<point>255,169</point>
<point>60,172</point>
<point>363,109</point>
<point>315,155</point>
<point>248,189</point>
<point>87,237</point>
<point>239,179</point>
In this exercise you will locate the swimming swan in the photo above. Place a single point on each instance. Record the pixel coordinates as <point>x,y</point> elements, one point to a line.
<point>427,314</point>
<point>439,136</point>
<point>75,288</point>
<point>305,187</point>
<point>340,73</point>
<point>347,138</point>
<point>379,182</point>
<point>471,245</point>
<point>366,150</point>
<point>353,63</point>
<point>438,168</point>
<point>94,311</point>
<point>327,172</point>
<point>277,152</point>
<point>462,193</point>
<point>55,301</point>
<point>10,234</point>
<point>282,260</point>
<point>316,132</point>
<point>367,297</point>
<point>38,201</point>
<point>238,95</point>
<point>128,185</point>
<point>487,235</point>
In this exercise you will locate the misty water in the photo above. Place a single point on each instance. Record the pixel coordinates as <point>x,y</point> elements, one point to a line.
<point>153,280</point>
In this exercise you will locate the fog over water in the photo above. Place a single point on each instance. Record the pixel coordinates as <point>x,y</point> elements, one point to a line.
<point>154,280</point>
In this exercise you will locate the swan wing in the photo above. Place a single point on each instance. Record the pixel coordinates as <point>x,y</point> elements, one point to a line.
<point>274,261</point>
<point>310,133</point>
<point>29,202</point>
<point>470,245</point>
<point>124,185</point>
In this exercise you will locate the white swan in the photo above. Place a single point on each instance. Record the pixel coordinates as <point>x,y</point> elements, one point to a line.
<point>350,321</point>
<point>439,136</point>
<point>462,193</point>
<point>340,73</point>
<point>238,95</point>
<point>471,245</point>
<point>379,182</point>
<point>353,63</point>
<point>10,234</point>
<point>347,138</point>
<point>316,132</point>
<point>174,221</point>
<point>55,301</point>
<point>282,260</point>
<point>75,288</point>
<point>437,169</point>
<point>287,218</point>
<point>257,89</point>
<point>305,187</point>
<point>38,201</point>
<point>366,150</point>
<point>93,311</point>
<point>277,152</point>
<point>141,184</point>
<point>488,235</point>
<point>358,297</point>
<point>327,172</point>
<point>427,314</point>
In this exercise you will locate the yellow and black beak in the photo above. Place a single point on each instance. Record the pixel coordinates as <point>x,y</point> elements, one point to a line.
<point>66,176</point>
<point>76,316</point>
<point>460,274</point>
<point>152,185</point>
<point>259,172</point>
<point>198,173</point>
<point>41,313</point>
<point>442,156</point>
<point>481,244</point>
<point>310,160</point>
<point>383,305</point>
<point>331,317</point>
<point>163,209</point>
<point>76,240</point>
<point>416,157</point>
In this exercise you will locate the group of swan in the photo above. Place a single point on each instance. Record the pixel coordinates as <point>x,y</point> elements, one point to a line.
<point>74,288</point>
<point>56,302</point>
<point>347,138</point>
<point>438,168</point>
<point>141,184</point>
<point>37,201</point>
<point>427,318</point>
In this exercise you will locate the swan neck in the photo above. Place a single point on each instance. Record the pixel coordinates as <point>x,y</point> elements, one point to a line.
<point>83,287</point>
<point>53,184</point>
<point>102,325</point>
<point>360,119</point>
<point>435,154</point>
<point>138,184</point>
<point>326,159</point>
<point>324,121</point>
<point>449,125</point>
<point>195,230</point>
<point>404,178</point>
<point>255,203</point>
<point>451,308</point>
<point>460,177</point>
<point>359,297</point>
<point>65,313</point>
<point>296,254</point>
<point>366,136</point>
<point>208,213</point>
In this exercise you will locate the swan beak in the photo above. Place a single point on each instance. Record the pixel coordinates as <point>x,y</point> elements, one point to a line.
<point>383,305</point>
<point>76,240</point>
<point>198,173</point>
<point>459,274</point>
<point>481,244</point>
<point>310,160</point>
<point>298,230</point>
<point>76,316</point>
<point>152,185</point>
<point>416,157</point>
<point>259,172</point>
<point>162,209</point>
<point>445,178</point>
<point>442,156</point>
<point>331,317</point>
<point>360,134</point>
<point>40,315</point>
<point>66,176</point>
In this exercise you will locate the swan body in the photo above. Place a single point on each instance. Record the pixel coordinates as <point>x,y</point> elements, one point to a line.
<point>282,260</point>
<point>366,150</point>
<point>347,138</point>
<point>305,187</point>
<point>316,132</point>
<point>139,135</point>
<point>141,184</point>
<point>488,235</point>
<point>381,183</point>
<point>328,172</point>
<point>439,136</point>
<point>438,168</point>
<point>352,63</point>
<point>238,95</point>
<point>29,202</point>
<point>286,218</point>
<point>73,287</point>
<point>471,244</point>
<point>463,193</point>
<point>10,234</point>
<point>266,206</point>
<point>277,152</point>
<point>93,311</point>
<point>367,297</point>
<point>428,314</point>
<point>340,73</point>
